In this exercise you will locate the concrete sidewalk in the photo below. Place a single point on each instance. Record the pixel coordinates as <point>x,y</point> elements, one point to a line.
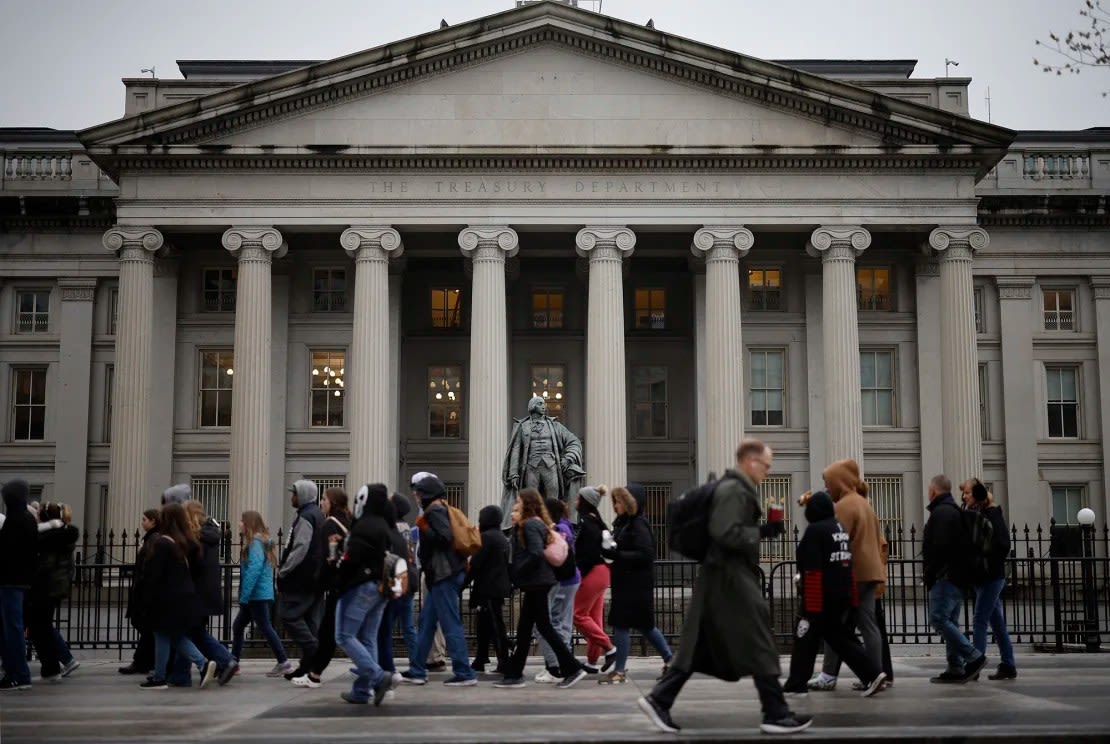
<point>1055,697</point>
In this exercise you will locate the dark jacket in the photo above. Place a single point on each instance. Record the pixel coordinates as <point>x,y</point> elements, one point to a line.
<point>530,569</point>
<point>364,555</point>
<point>942,549</point>
<point>299,569</point>
<point>334,525</point>
<point>138,604</point>
<point>206,571</point>
<point>1000,543</point>
<point>587,546</point>
<point>55,569</point>
<point>489,567</point>
<point>632,582</point>
<point>438,559</point>
<point>825,560</point>
<point>168,589</point>
<point>18,538</point>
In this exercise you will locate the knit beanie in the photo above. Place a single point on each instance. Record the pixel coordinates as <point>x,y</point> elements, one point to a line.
<point>178,494</point>
<point>590,495</point>
<point>429,489</point>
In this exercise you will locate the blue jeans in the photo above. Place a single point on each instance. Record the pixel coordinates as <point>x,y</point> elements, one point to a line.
<point>207,645</point>
<point>945,600</point>
<point>14,648</point>
<point>402,611</point>
<point>622,639</point>
<point>257,612</point>
<point>441,606</point>
<point>357,616</point>
<point>988,611</point>
<point>186,652</point>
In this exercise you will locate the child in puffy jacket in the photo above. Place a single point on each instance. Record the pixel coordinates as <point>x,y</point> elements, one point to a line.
<point>256,586</point>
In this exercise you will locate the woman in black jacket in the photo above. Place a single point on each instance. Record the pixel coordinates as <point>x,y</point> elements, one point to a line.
<point>988,602</point>
<point>531,573</point>
<point>632,553</point>
<point>57,539</point>
<point>589,601</point>
<point>490,585</point>
<point>138,609</point>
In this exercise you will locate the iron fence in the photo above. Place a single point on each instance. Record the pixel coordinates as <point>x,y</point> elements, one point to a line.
<point>1057,591</point>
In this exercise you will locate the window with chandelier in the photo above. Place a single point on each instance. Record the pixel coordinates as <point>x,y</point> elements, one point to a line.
<point>446,307</point>
<point>549,382</point>
<point>445,395</point>
<point>327,387</point>
<point>217,372</point>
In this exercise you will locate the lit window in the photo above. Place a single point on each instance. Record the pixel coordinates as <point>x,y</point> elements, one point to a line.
<point>549,382</point>
<point>216,376</point>
<point>984,410</point>
<point>767,388</point>
<point>1066,503</point>
<point>326,388</point>
<point>33,311</point>
<point>1063,402</point>
<point>446,305</point>
<point>547,308</point>
<point>219,290</point>
<point>29,404</point>
<point>445,402</point>
<point>1059,310</point>
<point>651,309</point>
<point>649,402</point>
<point>765,287</point>
<point>873,287</point>
<point>329,290</point>
<point>877,387</point>
<point>977,299</point>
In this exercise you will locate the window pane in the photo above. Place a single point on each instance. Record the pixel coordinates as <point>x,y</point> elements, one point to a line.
<point>774,418</point>
<point>22,422</point>
<point>1065,300</point>
<point>1070,414</point>
<point>867,402</point>
<point>1049,299</point>
<point>774,400</point>
<point>774,369</point>
<point>208,415</point>
<point>755,278</point>
<point>884,408</point>
<point>759,376</point>
<point>1067,385</point>
<point>759,401</point>
<point>1053,382</point>
<point>867,369</point>
<point>882,370</point>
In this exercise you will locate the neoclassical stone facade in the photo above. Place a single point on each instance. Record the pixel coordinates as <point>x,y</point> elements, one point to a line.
<point>357,269</point>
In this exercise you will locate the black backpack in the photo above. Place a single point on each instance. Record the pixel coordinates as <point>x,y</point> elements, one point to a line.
<point>978,544</point>
<point>688,520</point>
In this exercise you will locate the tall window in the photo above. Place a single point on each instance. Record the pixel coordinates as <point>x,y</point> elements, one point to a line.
<point>109,380</point>
<point>29,404</point>
<point>767,388</point>
<point>1066,503</point>
<point>1063,402</point>
<point>877,387</point>
<point>219,290</point>
<point>113,311</point>
<point>873,287</point>
<point>1059,309</point>
<point>886,499</point>
<point>326,383</point>
<point>547,308</point>
<point>217,370</point>
<point>658,496</point>
<point>212,493</point>
<point>329,290</point>
<point>977,300</point>
<point>765,288</point>
<point>549,382</point>
<point>650,308</point>
<point>33,311</point>
<point>445,402</point>
<point>446,306</point>
<point>984,408</point>
<point>649,402</point>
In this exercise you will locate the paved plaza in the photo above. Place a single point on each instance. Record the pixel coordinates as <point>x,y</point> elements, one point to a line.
<point>1055,698</point>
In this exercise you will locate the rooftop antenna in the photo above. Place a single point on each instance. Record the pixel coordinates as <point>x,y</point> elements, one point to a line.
<point>988,100</point>
<point>949,63</point>
<point>148,69</point>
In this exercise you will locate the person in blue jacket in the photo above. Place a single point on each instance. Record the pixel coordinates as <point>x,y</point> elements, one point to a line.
<point>256,586</point>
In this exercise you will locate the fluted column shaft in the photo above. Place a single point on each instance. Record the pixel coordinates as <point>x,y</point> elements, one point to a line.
<point>959,367</point>
<point>723,247</point>
<point>606,411</point>
<point>368,373</point>
<point>838,248</point>
<point>129,458</point>
<point>251,398</point>
<point>488,410</point>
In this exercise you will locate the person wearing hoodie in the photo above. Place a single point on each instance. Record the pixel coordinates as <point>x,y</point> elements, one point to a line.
<point>299,570</point>
<point>138,611</point>
<point>56,542</point>
<point>589,602</point>
<point>256,587</point>
<point>18,565</point>
<point>489,587</point>
<point>829,599</point>
<point>560,599</point>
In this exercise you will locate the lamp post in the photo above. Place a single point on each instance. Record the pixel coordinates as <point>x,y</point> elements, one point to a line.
<point>1086,519</point>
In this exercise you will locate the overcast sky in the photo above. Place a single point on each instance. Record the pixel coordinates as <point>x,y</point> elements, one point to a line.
<point>61,61</point>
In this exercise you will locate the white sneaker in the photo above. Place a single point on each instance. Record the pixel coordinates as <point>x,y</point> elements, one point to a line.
<point>305,681</point>
<point>280,670</point>
<point>822,683</point>
<point>70,668</point>
<point>397,679</point>
<point>547,678</point>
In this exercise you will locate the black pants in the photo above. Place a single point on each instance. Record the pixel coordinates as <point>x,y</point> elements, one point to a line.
<point>766,685</point>
<point>534,613</point>
<point>143,659</point>
<point>40,626</point>
<point>491,630</point>
<point>325,648</point>
<point>837,628</point>
<point>880,618</point>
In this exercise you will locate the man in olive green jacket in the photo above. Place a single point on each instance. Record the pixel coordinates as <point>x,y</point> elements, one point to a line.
<point>727,632</point>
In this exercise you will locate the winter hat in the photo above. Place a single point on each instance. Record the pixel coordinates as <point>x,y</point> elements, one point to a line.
<point>417,477</point>
<point>819,506</point>
<point>402,504</point>
<point>590,495</point>
<point>429,488</point>
<point>15,493</point>
<point>979,492</point>
<point>178,494</point>
<point>490,517</point>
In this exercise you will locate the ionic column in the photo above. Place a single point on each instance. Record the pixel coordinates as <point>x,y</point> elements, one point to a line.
<point>369,367</point>
<point>838,248</point>
<point>723,247</point>
<point>488,411</point>
<point>606,412</point>
<point>129,457</point>
<point>255,248</point>
<point>959,366</point>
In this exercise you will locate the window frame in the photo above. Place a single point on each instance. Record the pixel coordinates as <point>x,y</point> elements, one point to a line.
<point>109,381</point>
<point>1058,290</point>
<point>35,314</point>
<point>222,294</point>
<point>561,402</point>
<point>113,311</point>
<point>217,390</point>
<point>1077,381</point>
<point>450,323</point>
<point>330,293</point>
<point>459,404</point>
<point>752,389</point>
<point>889,297</point>
<point>44,370</point>
<point>893,354</point>
<point>983,373</point>
<point>340,387</point>
<point>651,291</point>
<point>547,292</point>
<point>978,310</point>
<point>651,403</point>
<point>762,291</point>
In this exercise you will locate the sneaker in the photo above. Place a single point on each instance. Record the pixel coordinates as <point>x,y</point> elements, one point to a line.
<point>659,715</point>
<point>132,669</point>
<point>436,666</point>
<point>397,678</point>
<point>547,678</point>
<point>208,674</point>
<point>411,679</point>
<point>7,684</point>
<point>822,683</point>
<point>153,684</point>
<point>592,668</point>
<point>947,678</point>
<point>1005,671</point>
<point>971,669</point>
<point>613,678</point>
<point>610,659</point>
<point>306,681</point>
<point>456,681</point>
<point>573,679</point>
<point>348,697</point>
<point>793,693</point>
<point>224,675</point>
<point>875,686</point>
<point>790,724</point>
<point>510,682</point>
<point>383,687</point>
<point>53,679</point>
<point>296,672</point>
<point>70,667</point>
<point>281,669</point>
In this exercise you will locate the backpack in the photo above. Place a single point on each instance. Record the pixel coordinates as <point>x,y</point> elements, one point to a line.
<point>391,564</point>
<point>688,520</point>
<point>560,556</point>
<point>466,540</point>
<point>977,544</point>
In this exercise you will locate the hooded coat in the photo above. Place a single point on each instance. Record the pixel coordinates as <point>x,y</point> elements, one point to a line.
<point>303,555</point>
<point>856,515</point>
<point>825,560</point>
<point>632,578</point>
<point>54,576</point>
<point>727,631</point>
<point>489,567</point>
<point>138,603</point>
<point>206,571</point>
<point>18,538</point>
<point>168,590</point>
<point>438,559</point>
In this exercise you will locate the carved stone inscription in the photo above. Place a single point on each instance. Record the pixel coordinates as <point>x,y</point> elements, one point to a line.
<point>552,187</point>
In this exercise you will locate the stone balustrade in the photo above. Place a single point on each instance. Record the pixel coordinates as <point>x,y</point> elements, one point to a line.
<point>1058,165</point>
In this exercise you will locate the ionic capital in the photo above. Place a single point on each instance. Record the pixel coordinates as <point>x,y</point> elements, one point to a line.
<point>722,243</point>
<point>838,242</point>
<point>267,240</point>
<point>958,243</point>
<point>489,241</point>
<point>120,239</point>
<point>619,239</point>
<point>371,242</point>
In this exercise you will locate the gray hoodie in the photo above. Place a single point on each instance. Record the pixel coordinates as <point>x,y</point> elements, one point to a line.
<point>301,559</point>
